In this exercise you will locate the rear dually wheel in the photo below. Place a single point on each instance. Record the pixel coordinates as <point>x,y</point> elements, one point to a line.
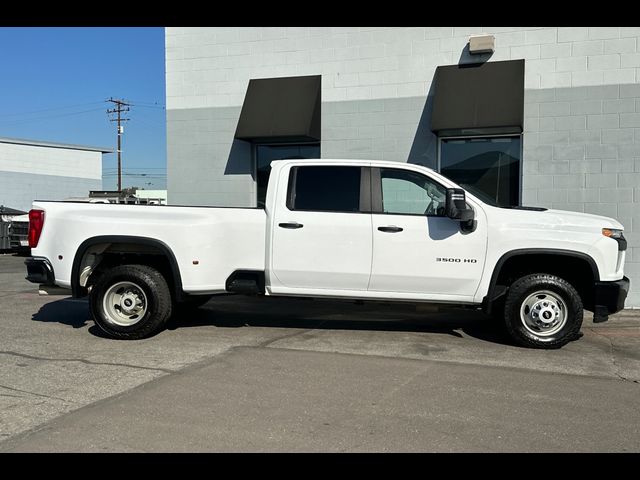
<point>131,302</point>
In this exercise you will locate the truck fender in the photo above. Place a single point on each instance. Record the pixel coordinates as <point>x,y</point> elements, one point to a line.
<point>495,291</point>
<point>77,290</point>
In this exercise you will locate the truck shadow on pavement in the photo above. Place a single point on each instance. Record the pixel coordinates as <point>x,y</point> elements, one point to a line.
<point>71,312</point>
<point>236,312</point>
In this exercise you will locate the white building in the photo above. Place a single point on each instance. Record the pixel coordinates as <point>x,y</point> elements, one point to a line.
<point>37,170</point>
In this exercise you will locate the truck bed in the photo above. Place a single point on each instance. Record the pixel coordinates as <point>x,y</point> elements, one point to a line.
<point>209,243</point>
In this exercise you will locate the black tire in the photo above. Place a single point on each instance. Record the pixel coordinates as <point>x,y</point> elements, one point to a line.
<point>157,303</point>
<point>570,304</point>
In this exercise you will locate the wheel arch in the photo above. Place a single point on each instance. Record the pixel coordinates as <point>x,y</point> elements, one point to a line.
<point>176,281</point>
<point>535,260</point>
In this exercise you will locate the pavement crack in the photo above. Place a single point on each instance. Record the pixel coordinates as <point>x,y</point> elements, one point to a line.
<point>612,352</point>
<point>34,393</point>
<point>87,362</point>
<point>289,335</point>
<point>12,396</point>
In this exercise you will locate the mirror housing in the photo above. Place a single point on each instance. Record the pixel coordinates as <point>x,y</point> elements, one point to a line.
<point>456,208</point>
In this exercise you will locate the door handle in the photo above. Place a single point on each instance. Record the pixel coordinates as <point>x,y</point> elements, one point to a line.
<point>390,229</point>
<point>291,225</point>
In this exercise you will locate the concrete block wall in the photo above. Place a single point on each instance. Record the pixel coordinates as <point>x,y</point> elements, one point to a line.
<point>581,143</point>
<point>581,134</point>
<point>29,172</point>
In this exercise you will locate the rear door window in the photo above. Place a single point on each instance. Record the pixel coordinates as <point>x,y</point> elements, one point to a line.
<point>325,189</point>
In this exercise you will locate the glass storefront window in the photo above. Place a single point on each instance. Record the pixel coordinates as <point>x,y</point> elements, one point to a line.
<point>488,167</point>
<point>265,154</point>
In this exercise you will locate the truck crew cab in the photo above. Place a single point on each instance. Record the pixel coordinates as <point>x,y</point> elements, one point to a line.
<point>368,230</point>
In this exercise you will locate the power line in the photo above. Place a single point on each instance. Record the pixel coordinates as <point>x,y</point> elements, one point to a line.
<point>50,109</point>
<point>136,175</point>
<point>127,172</point>
<point>131,169</point>
<point>37,119</point>
<point>148,106</point>
<point>136,168</point>
<point>145,103</point>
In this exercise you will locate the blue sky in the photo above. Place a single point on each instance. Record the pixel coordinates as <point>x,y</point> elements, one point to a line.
<point>54,83</point>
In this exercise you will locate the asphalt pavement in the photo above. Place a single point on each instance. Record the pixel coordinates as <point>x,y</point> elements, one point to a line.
<point>265,374</point>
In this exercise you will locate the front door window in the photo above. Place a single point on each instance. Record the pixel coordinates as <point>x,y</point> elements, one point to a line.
<point>408,193</point>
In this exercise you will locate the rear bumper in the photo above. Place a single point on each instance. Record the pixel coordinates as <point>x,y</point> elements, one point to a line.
<point>39,270</point>
<point>610,296</point>
<point>19,241</point>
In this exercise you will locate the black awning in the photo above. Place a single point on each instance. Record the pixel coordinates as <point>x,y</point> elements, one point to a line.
<point>479,98</point>
<point>281,109</point>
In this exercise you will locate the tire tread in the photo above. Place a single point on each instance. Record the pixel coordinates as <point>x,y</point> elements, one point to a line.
<point>161,300</point>
<point>542,280</point>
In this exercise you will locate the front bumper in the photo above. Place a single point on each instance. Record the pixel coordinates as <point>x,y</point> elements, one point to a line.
<point>39,270</point>
<point>610,296</point>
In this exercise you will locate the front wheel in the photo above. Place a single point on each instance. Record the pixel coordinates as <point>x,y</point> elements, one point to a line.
<point>131,302</point>
<point>543,311</point>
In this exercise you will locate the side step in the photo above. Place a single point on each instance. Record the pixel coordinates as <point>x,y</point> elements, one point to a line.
<point>248,282</point>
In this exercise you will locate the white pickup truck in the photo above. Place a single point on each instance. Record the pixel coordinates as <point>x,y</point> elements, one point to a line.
<point>365,230</point>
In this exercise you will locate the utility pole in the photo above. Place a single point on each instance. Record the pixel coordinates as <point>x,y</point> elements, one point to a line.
<point>120,107</point>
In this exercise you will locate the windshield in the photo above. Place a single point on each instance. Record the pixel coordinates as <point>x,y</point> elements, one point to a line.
<point>492,202</point>
<point>480,194</point>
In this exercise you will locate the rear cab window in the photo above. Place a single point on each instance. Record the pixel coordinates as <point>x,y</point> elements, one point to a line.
<point>325,188</point>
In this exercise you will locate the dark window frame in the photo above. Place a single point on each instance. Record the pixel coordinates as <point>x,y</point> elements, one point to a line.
<point>254,154</point>
<point>376,192</point>
<point>519,136</point>
<point>364,203</point>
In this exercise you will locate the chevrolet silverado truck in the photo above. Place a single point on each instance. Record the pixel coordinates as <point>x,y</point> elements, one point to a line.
<point>362,230</point>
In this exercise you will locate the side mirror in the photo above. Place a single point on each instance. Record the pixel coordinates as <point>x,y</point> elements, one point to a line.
<point>456,208</point>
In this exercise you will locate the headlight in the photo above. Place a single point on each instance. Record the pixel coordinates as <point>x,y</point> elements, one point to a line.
<point>612,233</point>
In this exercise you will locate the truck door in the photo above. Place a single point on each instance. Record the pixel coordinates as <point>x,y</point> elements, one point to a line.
<point>321,238</point>
<point>416,249</point>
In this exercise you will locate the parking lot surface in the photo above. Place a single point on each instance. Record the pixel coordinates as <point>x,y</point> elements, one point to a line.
<point>267,374</point>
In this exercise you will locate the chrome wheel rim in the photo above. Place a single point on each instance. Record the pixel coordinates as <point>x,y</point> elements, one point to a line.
<point>543,313</point>
<point>125,304</point>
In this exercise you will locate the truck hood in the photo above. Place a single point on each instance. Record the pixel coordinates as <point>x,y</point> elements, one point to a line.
<point>552,219</point>
<point>599,221</point>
